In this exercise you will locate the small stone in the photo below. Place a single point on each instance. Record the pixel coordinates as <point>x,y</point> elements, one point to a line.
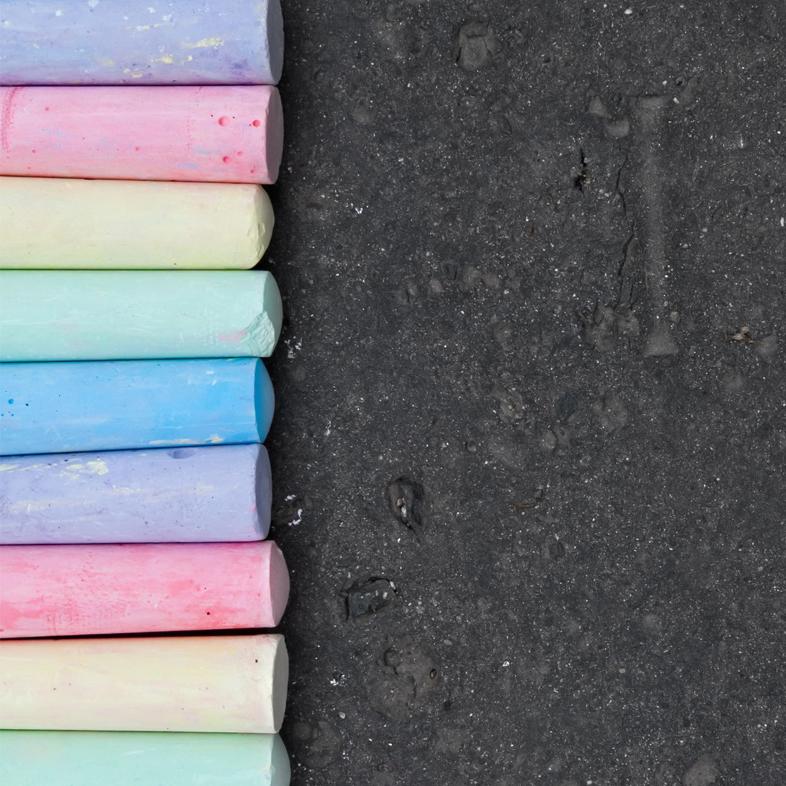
<point>369,597</point>
<point>405,499</point>
<point>477,44</point>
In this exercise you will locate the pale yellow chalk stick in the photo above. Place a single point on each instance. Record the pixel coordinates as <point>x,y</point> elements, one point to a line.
<point>62,223</point>
<point>179,683</point>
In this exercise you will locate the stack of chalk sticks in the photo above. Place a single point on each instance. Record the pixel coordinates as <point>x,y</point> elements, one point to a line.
<point>135,492</point>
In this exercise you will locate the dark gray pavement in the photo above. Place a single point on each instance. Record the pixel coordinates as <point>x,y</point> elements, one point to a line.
<point>529,455</point>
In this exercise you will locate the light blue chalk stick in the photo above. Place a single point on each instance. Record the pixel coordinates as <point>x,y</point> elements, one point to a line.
<point>128,404</point>
<point>140,42</point>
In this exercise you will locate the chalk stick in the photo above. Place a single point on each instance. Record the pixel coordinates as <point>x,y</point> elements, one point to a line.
<point>140,588</point>
<point>114,42</point>
<point>137,314</point>
<point>65,223</point>
<point>235,683</point>
<point>203,134</point>
<point>123,405</point>
<point>177,495</point>
<point>95,758</point>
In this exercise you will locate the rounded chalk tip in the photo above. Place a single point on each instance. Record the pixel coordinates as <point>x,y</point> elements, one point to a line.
<point>279,677</point>
<point>277,583</point>
<point>264,400</point>
<point>274,136</point>
<point>263,491</point>
<point>273,306</point>
<point>264,221</point>
<point>280,770</point>
<point>275,39</point>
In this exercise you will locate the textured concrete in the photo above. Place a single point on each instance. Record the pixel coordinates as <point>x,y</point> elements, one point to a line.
<point>529,475</point>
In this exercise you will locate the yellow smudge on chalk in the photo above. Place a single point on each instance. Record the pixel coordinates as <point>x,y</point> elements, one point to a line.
<point>8,467</point>
<point>97,467</point>
<point>92,467</point>
<point>215,439</point>
<point>106,61</point>
<point>204,43</point>
<point>166,59</point>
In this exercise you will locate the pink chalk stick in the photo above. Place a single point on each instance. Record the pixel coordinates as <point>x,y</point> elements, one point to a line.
<point>214,134</point>
<point>140,588</point>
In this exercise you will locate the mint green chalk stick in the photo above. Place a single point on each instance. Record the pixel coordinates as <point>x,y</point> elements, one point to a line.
<point>131,314</point>
<point>76,758</point>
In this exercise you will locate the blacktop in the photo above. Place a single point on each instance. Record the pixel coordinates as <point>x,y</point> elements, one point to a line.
<point>531,437</point>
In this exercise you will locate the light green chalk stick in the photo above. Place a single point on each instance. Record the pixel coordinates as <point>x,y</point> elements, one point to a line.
<point>121,315</point>
<point>50,758</point>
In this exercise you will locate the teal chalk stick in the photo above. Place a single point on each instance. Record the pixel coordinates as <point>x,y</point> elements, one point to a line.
<point>52,758</point>
<point>130,404</point>
<point>130,314</point>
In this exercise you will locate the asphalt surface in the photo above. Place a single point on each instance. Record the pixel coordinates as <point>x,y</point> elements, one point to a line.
<point>531,438</point>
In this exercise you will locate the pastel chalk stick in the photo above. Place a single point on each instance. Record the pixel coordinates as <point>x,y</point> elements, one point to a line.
<point>137,314</point>
<point>202,134</point>
<point>222,683</point>
<point>176,495</point>
<point>63,223</point>
<point>114,42</point>
<point>140,588</point>
<point>90,758</point>
<point>123,405</point>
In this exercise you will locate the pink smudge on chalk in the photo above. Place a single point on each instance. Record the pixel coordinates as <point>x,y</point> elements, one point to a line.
<point>7,117</point>
<point>223,121</point>
<point>234,337</point>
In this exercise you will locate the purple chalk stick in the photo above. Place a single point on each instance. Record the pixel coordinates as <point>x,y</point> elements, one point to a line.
<point>203,494</point>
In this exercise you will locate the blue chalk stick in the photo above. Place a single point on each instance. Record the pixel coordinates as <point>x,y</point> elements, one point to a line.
<point>116,405</point>
<point>138,42</point>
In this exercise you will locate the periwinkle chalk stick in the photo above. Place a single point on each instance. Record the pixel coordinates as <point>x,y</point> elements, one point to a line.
<point>220,683</point>
<point>140,588</point>
<point>118,42</point>
<point>89,758</point>
<point>127,224</point>
<point>137,314</point>
<point>230,134</point>
<point>130,404</point>
<point>177,495</point>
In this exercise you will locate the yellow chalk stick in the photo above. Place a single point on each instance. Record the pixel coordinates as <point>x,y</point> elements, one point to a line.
<point>231,683</point>
<point>62,223</point>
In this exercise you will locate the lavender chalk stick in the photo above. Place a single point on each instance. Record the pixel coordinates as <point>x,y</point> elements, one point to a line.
<point>177,495</point>
<point>119,42</point>
<point>124,405</point>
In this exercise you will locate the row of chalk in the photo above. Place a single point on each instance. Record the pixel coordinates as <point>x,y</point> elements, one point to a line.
<point>135,493</point>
